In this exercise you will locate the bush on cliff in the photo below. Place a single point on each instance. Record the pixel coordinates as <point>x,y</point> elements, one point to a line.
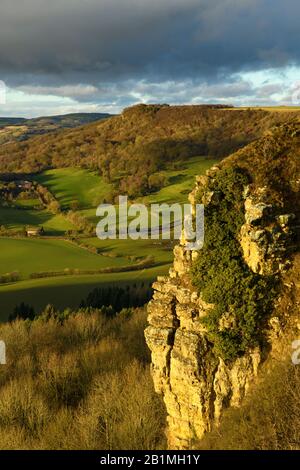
<point>241,298</point>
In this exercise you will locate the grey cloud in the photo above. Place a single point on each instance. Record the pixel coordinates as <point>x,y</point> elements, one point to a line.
<point>78,91</point>
<point>89,41</point>
<point>107,54</point>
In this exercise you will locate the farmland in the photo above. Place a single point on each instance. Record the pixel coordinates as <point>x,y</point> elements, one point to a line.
<point>71,175</point>
<point>57,253</point>
<point>71,185</point>
<point>66,291</point>
<point>29,255</point>
<point>16,218</point>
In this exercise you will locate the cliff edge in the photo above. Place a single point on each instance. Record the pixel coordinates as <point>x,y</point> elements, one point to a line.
<point>214,320</point>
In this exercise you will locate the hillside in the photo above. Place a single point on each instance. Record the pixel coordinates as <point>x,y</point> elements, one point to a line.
<point>141,142</point>
<point>152,153</point>
<point>215,323</point>
<point>6,121</point>
<point>220,325</point>
<point>80,249</point>
<point>218,316</point>
<point>20,129</point>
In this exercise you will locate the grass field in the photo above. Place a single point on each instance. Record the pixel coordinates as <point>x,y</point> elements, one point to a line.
<point>14,218</point>
<point>27,203</point>
<point>280,109</point>
<point>162,252</point>
<point>66,291</point>
<point>29,255</point>
<point>179,184</point>
<point>33,255</point>
<point>74,184</point>
<point>180,181</point>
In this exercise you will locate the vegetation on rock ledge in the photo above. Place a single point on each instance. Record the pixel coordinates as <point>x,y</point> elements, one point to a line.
<point>241,299</point>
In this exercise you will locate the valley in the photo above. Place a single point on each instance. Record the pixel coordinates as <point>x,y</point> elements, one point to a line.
<point>64,247</point>
<point>77,304</point>
<point>70,174</point>
<point>149,232</point>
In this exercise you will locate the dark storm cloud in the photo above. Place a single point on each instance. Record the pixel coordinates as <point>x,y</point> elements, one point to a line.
<point>51,42</point>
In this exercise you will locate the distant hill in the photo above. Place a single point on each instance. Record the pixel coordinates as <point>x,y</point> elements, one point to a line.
<point>131,149</point>
<point>5,121</point>
<point>67,120</point>
<point>20,129</point>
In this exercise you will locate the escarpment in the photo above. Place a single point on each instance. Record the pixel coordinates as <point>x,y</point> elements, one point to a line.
<point>213,319</point>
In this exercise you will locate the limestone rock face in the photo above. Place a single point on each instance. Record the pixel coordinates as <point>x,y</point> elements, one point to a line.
<point>196,384</point>
<point>266,235</point>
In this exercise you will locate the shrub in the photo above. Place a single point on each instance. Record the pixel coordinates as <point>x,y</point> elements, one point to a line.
<point>9,277</point>
<point>118,297</point>
<point>22,311</point>
<point>25,410</point>
<point>80,383</point>
<point>220,273</point>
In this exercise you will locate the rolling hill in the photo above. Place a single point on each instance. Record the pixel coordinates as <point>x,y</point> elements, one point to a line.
<point>20,129</point>
<point>152,153</point>
<point>128,149</point>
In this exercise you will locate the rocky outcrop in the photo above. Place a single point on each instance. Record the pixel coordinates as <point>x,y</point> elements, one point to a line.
<point>197,385</point>
<point>267,234</point>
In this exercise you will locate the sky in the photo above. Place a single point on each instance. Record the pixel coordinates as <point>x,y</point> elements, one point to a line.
<point>63,56</point>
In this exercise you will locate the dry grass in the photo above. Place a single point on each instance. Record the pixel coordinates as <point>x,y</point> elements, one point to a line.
<point>83,384</point>
<point>269,418</point>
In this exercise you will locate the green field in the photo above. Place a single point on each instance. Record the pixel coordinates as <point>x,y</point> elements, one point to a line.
<point>52,254</point>
<point>34,255</point>
<point>162,252</point>
<point>66,291</point>
<point>14,218</point>
<point>27,203</point>
<point>180,182</point>
<point>73,184</point>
